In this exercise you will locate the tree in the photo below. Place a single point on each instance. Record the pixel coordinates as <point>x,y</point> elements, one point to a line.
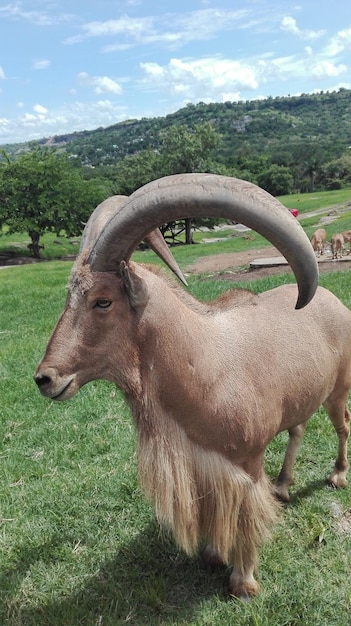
<point>184,151</point>
<point>187,150</point>
<point>180,150</point>
<point>337,172</point>
<point>136,170</point>
<point>42,191</point>
<point>277,180</point>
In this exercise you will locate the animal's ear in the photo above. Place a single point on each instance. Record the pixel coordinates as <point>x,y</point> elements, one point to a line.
<point>136,288</point>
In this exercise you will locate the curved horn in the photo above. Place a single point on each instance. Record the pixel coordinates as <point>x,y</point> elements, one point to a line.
<point>202,195</point>
<point>98,219</point>
<point>101,216</point>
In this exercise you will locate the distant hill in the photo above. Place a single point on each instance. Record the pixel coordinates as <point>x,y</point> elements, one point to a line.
<point>275,126</point>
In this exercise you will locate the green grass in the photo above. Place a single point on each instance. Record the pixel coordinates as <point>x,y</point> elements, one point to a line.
<point>16,244</point>
<point>306,202</point>
<point>79,543</point>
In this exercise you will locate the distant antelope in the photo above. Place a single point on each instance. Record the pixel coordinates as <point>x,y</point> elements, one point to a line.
<point>318,241</point>
<point>347,239</point>
<point>337,245</point>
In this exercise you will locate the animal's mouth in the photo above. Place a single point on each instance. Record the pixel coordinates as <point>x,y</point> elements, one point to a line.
<point>53,386</point>
<point>62,393</point>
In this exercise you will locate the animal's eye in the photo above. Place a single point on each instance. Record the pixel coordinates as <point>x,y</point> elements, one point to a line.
<point>102,304</point>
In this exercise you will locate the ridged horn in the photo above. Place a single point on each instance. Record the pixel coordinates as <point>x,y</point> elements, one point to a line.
<point>206,195</point>
<point>109,208</point>
<point>98,219</point>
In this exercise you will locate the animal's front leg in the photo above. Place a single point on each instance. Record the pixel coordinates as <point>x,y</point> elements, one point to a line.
<point>242,583</point>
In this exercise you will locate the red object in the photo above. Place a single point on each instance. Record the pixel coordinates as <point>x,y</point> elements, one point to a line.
<point>294,212</point>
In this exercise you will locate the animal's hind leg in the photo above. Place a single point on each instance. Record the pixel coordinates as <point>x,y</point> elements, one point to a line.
<point>340,418</point>
<point>285,478</point>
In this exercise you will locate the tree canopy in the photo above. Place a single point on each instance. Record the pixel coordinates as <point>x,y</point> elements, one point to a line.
<point>180,151</point>
<point>42,191</point>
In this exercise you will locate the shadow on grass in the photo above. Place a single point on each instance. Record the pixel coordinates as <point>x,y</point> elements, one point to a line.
<point>307,490</point>
<point>148,582</point>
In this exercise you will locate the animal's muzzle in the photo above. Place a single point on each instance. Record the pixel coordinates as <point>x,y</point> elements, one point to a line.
<point>52,385</point>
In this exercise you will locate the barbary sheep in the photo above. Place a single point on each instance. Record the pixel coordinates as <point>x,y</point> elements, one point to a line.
<point>318,240</point>
<point>347,238</point>
<point>208,384</point>
<point>337,245</point>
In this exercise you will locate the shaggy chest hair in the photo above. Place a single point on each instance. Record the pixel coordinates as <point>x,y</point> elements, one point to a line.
<point>198,494</point>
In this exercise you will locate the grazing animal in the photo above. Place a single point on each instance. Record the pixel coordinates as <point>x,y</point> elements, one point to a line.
<point>337,245</point>
<point>318,240</point>
<point>347,239</point>
<point>208,384</point>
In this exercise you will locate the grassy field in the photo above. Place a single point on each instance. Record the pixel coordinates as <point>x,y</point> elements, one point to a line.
<point>79,543</point>
<point>307,202</point>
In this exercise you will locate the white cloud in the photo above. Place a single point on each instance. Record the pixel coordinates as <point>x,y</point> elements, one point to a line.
<point>340,42</point>
<point>215,78</point>
<point>345,37</point>
<point>233,96</point>
<point>326,69</point>
<point>40,122</point>
<point>38,18</point>
<point>214,18</point>
<point>170,29</point>
<point>39,109</point>
<point>117,47</point>
<point>204,24</point>
<point>153,70</point>
<point>100,84</point>
<point>2,74</point>
<point>104,84</point>
<point>41,64</point>
<point>29,118</point>
<point>288,24</point>
<point>208,77</point>
<point>104,105</point>
<point>126,26</point>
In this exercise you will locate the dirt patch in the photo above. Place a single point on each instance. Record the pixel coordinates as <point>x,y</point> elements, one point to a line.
<point>344,523</point>
<point>342,518</point>
<point>229,260</point>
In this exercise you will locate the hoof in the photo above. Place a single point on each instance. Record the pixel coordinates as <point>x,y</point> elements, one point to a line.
<point>243,590</point>
<point>281,492</point>
<point>338,479</point>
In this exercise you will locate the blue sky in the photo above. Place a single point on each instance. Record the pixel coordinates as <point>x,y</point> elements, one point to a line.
<point>76,65</point>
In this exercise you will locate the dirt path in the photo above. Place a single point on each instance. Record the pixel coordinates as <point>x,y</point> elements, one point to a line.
<point>229,260</point>
<point>235,266</point>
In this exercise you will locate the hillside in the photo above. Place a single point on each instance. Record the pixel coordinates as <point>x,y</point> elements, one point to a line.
<point>278,127</point>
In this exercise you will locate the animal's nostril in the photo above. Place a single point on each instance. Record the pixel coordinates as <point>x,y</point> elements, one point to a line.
<point>42,380</point>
